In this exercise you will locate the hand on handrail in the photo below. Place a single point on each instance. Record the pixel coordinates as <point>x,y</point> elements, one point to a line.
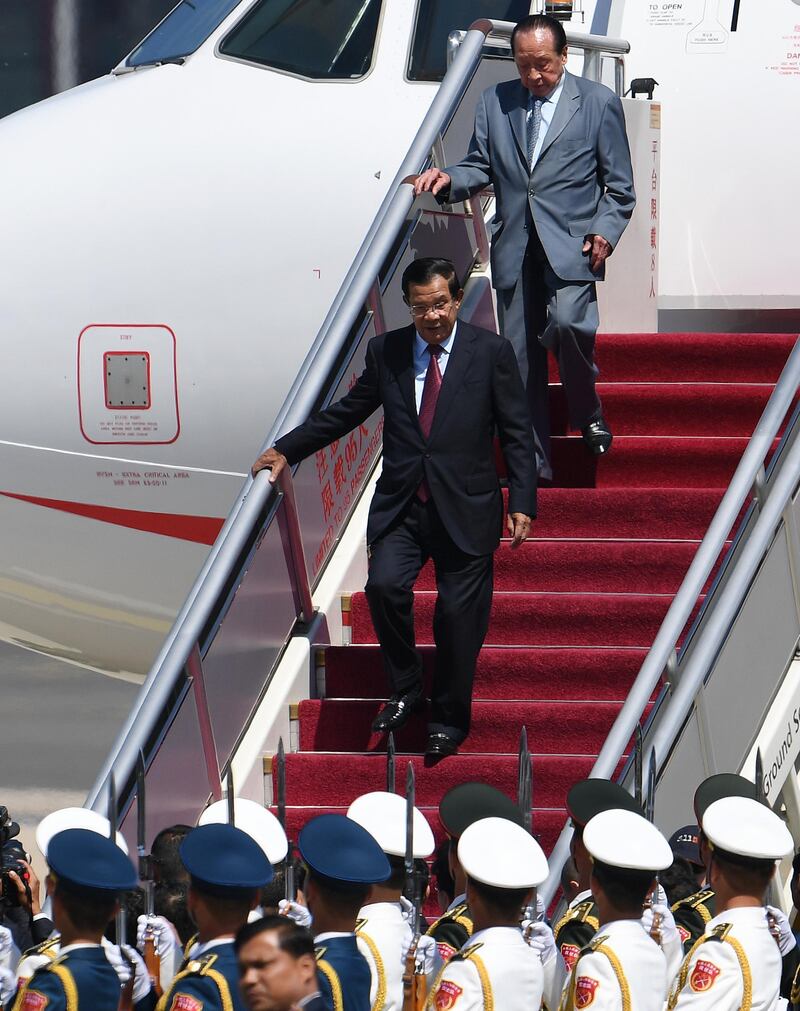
<point>272,460</point>
<point>433,180</point>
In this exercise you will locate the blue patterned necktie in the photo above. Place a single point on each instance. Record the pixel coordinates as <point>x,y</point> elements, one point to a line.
<point>534,126</point>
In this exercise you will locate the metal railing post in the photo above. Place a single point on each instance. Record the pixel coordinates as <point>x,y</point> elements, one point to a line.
<point>481,233</point>
<point>375,306</point>
<point>294,537</point>
<point>194,668</point>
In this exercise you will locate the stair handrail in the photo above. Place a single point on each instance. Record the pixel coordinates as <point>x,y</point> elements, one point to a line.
<point>747,481</point>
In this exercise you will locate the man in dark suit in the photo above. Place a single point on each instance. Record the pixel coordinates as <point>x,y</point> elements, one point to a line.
<point>554,147</point>
<point>445,387</point>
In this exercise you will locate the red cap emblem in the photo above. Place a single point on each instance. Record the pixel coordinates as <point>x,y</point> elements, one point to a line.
<point>584,991</point>
<point>703,976</point>
<point>570,953</point>
<point>447,995</point>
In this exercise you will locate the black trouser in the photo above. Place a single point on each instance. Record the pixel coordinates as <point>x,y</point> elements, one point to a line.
<point>461,617</point>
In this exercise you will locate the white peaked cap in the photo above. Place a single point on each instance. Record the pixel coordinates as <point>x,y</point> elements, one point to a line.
<point>259,823</point>
<point>627,840</point>
<point>74,817</point>
<point>498,852</point>
<point>746,828</point>
<point>383,815</point>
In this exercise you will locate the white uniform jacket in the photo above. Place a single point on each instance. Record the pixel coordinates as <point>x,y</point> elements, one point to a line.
<point>736,964</point>
<point>496,970</point>
<point>621,969</point>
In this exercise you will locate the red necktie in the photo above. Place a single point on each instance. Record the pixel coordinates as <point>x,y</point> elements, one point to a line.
<point>427,408</point>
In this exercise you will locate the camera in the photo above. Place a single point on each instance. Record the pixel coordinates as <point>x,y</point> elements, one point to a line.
<point>12,857</point>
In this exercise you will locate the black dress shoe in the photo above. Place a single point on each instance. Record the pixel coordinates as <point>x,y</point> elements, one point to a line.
<point>397,712</point>
<point>597,436</point>
<point>440,746</point>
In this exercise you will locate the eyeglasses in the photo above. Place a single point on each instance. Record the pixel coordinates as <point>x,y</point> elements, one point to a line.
<point>423,310</point>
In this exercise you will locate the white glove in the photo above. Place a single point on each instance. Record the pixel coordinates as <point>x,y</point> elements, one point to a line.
<point>671,943</point>
<point>8,986</point>
<point>780,925</point>
<point>141,980</point>
<point>167,942</point>
<point>295,911</point>
<point>9,952</point>
<point>407,909</point>
<point>540,937</point>
<point>427,954</point>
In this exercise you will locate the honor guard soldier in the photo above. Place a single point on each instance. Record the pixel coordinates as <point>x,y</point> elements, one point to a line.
<point>695,911</point>
<point>383,931</point>
<point>580,922</point>
<point>343,861</point>
<point>459,808</point>
<point>736,963</point>
<point>87,875</point>
<point>622,967</point>
<point>496,968</point>
<point>226,870</point>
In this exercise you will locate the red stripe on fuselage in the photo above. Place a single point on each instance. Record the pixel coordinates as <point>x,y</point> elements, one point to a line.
<point>200,529</point>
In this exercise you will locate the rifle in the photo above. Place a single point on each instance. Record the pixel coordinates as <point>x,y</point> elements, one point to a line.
<point>289,893</point>
<point>414,983</point>
<point>230,797</point>
<point>152,959</point>
<point>638,755</point>
<point>650,814</point>
<point>126,994</point>
<point>525,782</point>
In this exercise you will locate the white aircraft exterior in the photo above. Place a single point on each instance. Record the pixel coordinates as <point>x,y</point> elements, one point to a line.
<point>175,234</point>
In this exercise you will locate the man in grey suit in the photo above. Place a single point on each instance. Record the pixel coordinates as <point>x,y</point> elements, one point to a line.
<point>555,148</point>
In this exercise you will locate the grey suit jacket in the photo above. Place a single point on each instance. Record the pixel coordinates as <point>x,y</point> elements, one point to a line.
<point>582,182</point>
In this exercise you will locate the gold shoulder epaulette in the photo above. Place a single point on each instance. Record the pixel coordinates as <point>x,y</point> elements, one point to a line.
<point>720,932</point>
<point>458,914</point>
<point>694,900</point>
<point>46,947</point>
<point>202,964</point>
<point>465,953</point>
<point>594,944</point>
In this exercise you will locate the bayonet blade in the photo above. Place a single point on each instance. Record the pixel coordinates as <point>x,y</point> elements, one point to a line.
<point>141,823</point>
<point>231,797</point>
<point>281,784</point>
<point>390,765</point>
<point>638,758</point>
<point>410,792</point>
<point>761,793</point>
<point>650,812</point>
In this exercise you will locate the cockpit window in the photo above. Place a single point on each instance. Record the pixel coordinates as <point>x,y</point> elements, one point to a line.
<point>182,31</point>
<point>321,39</point>
<point>437,18</point>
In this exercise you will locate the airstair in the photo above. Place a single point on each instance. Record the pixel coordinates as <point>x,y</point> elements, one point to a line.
<point>660,589</point>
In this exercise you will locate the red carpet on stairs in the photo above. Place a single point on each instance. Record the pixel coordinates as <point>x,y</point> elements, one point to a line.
<point>575,609</point>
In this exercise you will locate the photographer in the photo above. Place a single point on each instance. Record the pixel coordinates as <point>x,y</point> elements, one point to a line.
<point>20,908</point>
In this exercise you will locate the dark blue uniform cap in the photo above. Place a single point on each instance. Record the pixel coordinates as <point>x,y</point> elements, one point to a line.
<point>221,858</point>
<point>339,848</point>
<point>79,857</point>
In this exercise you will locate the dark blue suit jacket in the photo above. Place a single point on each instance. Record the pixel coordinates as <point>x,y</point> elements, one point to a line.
<point>481,391</point>
<point>85,971</point>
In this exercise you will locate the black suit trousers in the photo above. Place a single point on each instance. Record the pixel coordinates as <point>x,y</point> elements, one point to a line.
<point>461,617</point>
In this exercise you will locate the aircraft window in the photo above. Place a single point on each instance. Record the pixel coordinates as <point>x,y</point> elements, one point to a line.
<point>437,18</point>
<point>181,32</point>
<point>321,39</point>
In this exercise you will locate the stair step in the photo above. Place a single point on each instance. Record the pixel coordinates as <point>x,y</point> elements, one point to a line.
<point>532,673</point>
<point>541,619</point>
<point>554,728</point>
<point>672,409</point>
<point>691,357</point>
<point>601,513</point>
<point>324,778</point>
<point>642,462</point>
<point>586,566</point>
